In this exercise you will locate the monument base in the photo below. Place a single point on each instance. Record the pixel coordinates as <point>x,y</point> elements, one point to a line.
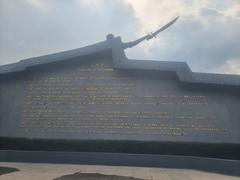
<point>210,150</point>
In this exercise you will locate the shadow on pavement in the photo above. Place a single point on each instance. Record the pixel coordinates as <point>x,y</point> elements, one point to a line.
<point>6,170</point>
<point>93,176</point>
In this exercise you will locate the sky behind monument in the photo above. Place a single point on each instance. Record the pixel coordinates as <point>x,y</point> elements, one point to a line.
<point>206,35</point>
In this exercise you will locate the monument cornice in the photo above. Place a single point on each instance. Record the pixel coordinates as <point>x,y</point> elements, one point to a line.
<point>120,61</point>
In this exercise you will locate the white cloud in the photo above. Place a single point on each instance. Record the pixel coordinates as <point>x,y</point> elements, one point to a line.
<point>91,3</point>
<point>231,66</point>
<point>153,13</point>
<point>233,12</point>
<point>39,4</point>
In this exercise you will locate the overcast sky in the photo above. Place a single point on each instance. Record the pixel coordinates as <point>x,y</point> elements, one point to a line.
<point>207,35</point>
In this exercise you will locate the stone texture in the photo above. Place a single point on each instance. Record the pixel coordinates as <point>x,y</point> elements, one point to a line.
<point>92,100</point>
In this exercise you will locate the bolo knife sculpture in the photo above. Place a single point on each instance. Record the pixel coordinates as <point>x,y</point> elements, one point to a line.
<point>149,36</point>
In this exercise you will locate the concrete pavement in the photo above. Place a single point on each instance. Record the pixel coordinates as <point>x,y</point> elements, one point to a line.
<point>36,171</point>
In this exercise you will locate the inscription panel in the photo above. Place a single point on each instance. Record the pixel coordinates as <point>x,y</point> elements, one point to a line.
<point>94,101</point>
<point>99,102</point>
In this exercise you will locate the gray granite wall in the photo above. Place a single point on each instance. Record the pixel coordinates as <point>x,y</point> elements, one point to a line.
<point>91,100</point>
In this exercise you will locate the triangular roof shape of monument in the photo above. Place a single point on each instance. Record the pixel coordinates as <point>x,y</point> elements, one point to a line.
<point>120,61</point>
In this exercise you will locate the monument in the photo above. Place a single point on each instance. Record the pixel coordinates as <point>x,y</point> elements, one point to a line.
<point>97,93</point>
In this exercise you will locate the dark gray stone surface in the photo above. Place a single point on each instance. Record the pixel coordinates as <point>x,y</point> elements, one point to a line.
<point>97,93</point>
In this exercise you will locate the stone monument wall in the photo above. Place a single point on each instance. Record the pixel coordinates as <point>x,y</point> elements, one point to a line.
<point>91,100</point>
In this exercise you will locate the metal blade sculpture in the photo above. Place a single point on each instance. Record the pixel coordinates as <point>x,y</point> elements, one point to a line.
<point>149,36</point>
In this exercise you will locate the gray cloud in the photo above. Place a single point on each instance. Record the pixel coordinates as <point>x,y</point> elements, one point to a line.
<point>203,48</point>
<point>206,36</point>
<point>31,30</point>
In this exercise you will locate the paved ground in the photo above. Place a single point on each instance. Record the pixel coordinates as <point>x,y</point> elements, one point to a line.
<point>34,171</point>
